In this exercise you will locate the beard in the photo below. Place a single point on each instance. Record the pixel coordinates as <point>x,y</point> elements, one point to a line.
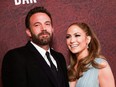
<point>43,38</point>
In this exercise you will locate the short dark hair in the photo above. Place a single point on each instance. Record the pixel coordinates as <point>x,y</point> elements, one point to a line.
<point>33,11</point>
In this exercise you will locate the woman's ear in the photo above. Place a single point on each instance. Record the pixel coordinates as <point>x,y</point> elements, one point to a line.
<point>28,32</point>
<point>88,39</point>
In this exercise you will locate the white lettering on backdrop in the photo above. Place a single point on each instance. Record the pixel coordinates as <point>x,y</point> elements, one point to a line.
<point>18,2</point>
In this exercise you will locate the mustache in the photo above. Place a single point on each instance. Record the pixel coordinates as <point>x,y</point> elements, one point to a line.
<point>44,32</point>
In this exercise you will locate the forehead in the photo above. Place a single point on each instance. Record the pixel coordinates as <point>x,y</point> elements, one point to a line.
<point>39,16</point>
<point>75,29</point>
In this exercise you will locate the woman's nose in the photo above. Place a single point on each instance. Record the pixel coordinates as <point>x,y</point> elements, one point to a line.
<point>72,40</point>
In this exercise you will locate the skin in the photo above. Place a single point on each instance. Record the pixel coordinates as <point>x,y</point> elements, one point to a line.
<point>41,30</point>
<point>106,78</point>
<point>77,42</point>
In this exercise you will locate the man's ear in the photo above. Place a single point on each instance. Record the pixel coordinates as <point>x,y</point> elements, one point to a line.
<point>28,32</point>
<point>88,39</point>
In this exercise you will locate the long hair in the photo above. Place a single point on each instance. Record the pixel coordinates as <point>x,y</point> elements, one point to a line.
<point>94,52</point>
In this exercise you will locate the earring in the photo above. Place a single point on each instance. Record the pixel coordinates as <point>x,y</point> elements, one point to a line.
<point>87,46</point>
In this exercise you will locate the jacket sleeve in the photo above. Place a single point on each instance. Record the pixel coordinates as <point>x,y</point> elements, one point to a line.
<point>13,70</point>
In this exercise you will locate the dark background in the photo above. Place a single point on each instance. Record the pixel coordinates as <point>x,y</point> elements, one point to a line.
<point>99,14</point>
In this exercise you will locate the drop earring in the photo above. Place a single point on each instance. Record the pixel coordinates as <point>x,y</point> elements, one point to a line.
<point>87,46</point>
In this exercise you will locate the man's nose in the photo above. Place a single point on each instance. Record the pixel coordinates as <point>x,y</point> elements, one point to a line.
<point>43,27</point>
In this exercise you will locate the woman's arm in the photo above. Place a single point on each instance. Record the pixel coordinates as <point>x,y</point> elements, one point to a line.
<point>72,84</point>
<point>106,77</point>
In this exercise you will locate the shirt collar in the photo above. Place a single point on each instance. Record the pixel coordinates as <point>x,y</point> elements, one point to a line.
<point>39,49</point>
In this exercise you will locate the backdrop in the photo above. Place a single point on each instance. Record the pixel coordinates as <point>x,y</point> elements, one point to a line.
<point>99,14</point>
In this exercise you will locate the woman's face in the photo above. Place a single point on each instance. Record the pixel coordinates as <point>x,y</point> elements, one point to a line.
<point>77,40</point>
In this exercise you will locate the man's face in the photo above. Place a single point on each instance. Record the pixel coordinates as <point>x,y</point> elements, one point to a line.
<point>41,30</point>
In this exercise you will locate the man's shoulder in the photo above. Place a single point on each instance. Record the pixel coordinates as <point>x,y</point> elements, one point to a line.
<point>19,49</point>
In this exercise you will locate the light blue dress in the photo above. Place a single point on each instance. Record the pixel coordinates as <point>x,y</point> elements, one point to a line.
<point>90,78</point>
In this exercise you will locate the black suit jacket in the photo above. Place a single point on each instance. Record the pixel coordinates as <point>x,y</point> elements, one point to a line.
<point>25,67</point>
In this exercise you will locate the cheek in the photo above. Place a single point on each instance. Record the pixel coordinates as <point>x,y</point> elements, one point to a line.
<point>50,30</point>
<point>83,43</point>
<point>36,31</point>
<point>67,42</point>
<point>82,40</point>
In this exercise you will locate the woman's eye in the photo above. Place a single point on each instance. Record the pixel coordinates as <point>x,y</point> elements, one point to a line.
<point>67,36</point>
<point>77,35</point>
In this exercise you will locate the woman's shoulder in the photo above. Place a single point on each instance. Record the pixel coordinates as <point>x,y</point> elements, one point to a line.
<point>102,61</point>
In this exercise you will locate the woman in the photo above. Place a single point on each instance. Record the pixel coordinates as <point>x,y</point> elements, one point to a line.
<point>88,68</point>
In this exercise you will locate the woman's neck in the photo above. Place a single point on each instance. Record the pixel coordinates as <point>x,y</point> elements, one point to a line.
<point>82,54</point>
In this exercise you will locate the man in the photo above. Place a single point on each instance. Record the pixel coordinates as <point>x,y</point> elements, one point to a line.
<point>29,66</point>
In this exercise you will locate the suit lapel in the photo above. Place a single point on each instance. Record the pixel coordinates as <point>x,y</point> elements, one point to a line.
<point>60,71</point>
<point>56,57</point>
<point>42,63</point>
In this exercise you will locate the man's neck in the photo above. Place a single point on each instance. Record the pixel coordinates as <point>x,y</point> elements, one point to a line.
<point>45,47</point>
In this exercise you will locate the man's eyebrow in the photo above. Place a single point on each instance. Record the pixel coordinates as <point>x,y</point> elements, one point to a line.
<point>48,22</point>
<point>37,23</point>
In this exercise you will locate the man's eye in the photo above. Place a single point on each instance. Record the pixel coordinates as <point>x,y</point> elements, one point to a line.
<point>48,24</point>
<point>36,25</point>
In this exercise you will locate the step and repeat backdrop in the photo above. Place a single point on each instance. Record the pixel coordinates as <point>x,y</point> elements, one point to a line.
<point>99,14</point>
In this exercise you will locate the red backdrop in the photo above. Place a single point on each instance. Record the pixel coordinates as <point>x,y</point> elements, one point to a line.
<point>99,14</point>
